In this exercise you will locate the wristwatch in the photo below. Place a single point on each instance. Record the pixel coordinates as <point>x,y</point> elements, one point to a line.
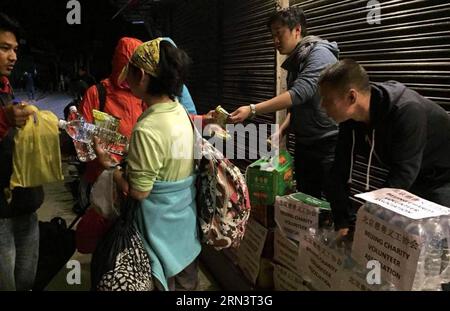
<point>252,111</point>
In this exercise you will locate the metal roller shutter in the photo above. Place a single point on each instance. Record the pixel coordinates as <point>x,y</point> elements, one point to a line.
<point>248,58</point>
<point>411,45</point>
<point>195,28</point>
<point>233,56</point>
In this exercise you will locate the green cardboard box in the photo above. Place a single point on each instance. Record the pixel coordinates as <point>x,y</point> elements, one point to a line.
<point>265,185</point>
<point>297,213</point>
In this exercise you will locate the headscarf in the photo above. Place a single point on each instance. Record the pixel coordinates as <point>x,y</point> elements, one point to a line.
<point>145,57</point>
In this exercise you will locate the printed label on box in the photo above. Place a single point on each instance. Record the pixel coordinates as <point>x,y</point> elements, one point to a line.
<point>319,264</point>
<point>295,218</point>
<point>285,251</point>
<point>397,251</point>
<point>250,250</point>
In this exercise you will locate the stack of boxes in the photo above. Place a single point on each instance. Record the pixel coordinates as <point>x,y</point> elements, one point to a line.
<point>265,182</point>
<point>297,215</point>
<point>269,253</point>
<point>266,179</point>
<point>400,243</point>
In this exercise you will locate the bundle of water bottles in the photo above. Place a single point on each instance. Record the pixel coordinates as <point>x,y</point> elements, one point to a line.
<point>83,134</point>
<point>433,234</point>
<point>401,242</point>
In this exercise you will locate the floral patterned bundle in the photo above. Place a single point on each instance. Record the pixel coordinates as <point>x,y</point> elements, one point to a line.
<point>222,200</point>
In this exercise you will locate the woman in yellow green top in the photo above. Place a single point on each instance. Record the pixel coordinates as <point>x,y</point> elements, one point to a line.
<point>160,170</point>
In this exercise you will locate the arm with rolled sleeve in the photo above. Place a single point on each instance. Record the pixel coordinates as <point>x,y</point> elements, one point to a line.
<point>145,160</point>
<point>305,86</point>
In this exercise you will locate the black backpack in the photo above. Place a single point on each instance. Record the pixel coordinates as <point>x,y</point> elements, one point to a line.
<point>101,90</point>
<point>56,247</point>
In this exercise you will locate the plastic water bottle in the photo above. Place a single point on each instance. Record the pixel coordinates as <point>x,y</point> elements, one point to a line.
<point>429,264</point>
<point>85,152</point>
<point>370,208</point>
<point>400,221</point>
<point>73,113</point>
<point>378,211</point>
<point>384,214</point>
<point>85,132</point>
<point>445,264</point>
<point>417,228</point>
<point>433,254</point>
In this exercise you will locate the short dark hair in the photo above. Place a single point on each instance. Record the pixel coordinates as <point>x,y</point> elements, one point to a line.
<point>172,71</point>
<point>11,25</point>
<point>344,75</point>
<point>290,17</point>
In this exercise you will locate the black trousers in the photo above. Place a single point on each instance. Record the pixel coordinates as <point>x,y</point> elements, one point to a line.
<point>312,166</point>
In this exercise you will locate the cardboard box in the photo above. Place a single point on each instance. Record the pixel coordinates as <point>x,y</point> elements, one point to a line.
<point>268,249</point>
<point>265,276</point>
<point>232,254</point>
<point>286,252</point>
<point>297,213</point>
<point>250,251</point>
<point>255,253</point>
<point>319,265</point>
<point>286,280</point>
<point>264,185</point>
<point>264,214</point>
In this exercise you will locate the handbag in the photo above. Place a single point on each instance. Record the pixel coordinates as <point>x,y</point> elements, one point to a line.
<point>120,261</point>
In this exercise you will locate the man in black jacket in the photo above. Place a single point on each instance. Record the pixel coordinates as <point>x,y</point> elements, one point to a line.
<point>407,133</point>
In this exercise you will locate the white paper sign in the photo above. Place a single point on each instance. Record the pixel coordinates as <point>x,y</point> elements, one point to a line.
<point>404,203</point>
<point>319,264</point>
<point>286,280</point>
<point>295,218</point>
<point>285,251</point>
<point>397,251</point>
<point>250,250</point>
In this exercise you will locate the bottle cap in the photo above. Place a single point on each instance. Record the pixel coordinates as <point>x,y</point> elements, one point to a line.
<point>62,124</point>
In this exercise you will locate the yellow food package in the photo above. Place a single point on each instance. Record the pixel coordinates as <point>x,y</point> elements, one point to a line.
<point>105,120</point>
<point>37,155</point>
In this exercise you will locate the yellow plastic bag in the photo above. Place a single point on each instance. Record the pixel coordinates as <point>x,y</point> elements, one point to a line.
<point>37,156</point>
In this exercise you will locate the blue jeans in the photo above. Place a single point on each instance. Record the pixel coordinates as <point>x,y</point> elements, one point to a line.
<point>19,251</point>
